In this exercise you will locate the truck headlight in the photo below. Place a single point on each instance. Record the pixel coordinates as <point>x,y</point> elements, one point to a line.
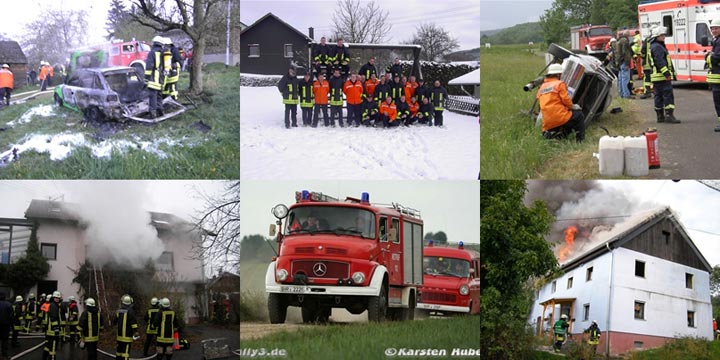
<point>464,290</point>
<point>358,277</point>
<point>280,211</point>
<point>281,274</point>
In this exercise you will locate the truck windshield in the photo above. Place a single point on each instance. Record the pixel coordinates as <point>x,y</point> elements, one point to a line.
<point>142,47</point>
<point>325,219</point>
<point>600,32</point>
<point>438,265</point>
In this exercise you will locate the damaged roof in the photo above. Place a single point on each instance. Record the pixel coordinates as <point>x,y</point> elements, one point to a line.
<point>623,232</point>
<point>11,53</point>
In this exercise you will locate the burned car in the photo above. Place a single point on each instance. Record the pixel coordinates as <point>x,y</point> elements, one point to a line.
<point>116,93</point>
<point>590,84</point>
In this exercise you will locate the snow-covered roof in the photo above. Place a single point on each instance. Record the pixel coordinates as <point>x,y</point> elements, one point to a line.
<point>606,240</point>
<point>471,78</point>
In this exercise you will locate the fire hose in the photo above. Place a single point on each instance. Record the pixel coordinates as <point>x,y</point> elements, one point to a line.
<point>153,356</point>
<point>17,356</point>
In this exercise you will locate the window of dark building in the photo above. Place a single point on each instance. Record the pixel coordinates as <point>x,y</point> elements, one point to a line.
<point>640,268</point>
<point>569,284</point>
<point>288,50</point>
<point>253,50</point>
<point>49,251</point>
<point>588,274</point>
<point>640,310</point>
<point>688,280</point>
<point>691,318</point>
<point>586,312</point>
<point>666,236</point>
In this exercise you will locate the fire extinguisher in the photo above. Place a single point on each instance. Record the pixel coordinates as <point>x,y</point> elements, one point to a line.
<point>651,136</point>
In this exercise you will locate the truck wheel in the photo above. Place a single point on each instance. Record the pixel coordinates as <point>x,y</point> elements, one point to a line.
<point>409,312</point>
<point>558,51</point>
<point>277,309</point>
<point>58,100</point>
<point>324,315</point>
<point>308,314</point>
<point>377,306</point>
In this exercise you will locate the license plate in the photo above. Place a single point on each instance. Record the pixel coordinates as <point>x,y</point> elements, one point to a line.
<point>295,289</point>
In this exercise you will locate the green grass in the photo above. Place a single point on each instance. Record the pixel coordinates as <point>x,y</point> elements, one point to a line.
<point>512,147</point>
<point>252,274</point>
<point>682,349</point>
<point>348,341</point>
<point>213,155</point>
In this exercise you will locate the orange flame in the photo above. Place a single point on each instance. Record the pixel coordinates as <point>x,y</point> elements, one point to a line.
<point>569,243</point>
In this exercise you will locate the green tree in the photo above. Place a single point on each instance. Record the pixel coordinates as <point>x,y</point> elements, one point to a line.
<point>440,237</point>
<point>513,249</point>
<point>26,271</point>
<point>117,15</point>
<point>255,247</point>
<point>563,14</point>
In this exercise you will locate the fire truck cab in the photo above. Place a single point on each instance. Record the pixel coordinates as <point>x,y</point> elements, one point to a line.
<point>347,254</point>
<point>591,39</point>
<point>128,53</point>
<point>688,32</point>
<point>451,280</point>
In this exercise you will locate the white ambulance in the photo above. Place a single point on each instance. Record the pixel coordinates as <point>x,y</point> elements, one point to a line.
<point>688,32</point>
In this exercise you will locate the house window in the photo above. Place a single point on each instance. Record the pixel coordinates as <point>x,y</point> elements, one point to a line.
<point>691,319</point>
<point>688,280</point>
<point>640,268</point>
<point>588,274</point>
<point>666,236</point>
<point>253,50</point>
<point>554,286</point>
<point>49,251</point>
<point>165,262</point>
<point>638,344</point>
<point>586,312</point>
<point>569,284</point>
<point>640,310</point>
<point>288,50</point>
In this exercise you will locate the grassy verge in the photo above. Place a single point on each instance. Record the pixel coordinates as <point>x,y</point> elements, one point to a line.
<point>511,145</point>
<point>370,340</point>
<point>196,155</point>
<point>682,349</point>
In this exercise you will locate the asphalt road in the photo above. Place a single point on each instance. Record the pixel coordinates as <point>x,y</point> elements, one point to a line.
<point>689,150</point>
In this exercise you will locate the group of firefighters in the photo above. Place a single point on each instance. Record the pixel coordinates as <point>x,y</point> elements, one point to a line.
<point>61,322</point>
<point>162,72</point>
<point>373,99</point>
<point>560,333</point>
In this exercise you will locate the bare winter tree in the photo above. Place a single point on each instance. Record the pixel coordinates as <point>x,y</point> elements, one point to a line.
<point>435,41</point>
<point>52,37</point>
<point>360,24</point>
<point>220,226</point>
<point>190,16</point>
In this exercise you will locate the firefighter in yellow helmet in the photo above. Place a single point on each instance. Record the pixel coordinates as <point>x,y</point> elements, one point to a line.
<point>167,323</point>
<point>155,76</point>
<point>127,326</point>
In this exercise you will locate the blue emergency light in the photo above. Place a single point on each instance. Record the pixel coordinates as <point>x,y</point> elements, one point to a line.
<point>305,195</point>
<point>460,245</point>
<point>365,198</point>
<point>430,243</point>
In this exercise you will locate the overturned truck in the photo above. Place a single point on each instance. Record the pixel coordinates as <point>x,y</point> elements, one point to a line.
<point>116,93</point>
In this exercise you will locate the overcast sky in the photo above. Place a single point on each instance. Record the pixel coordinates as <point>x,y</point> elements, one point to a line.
<point>460,18</point>
<point>173,196</point>
<point>450,206</point>
<point>500,14</point>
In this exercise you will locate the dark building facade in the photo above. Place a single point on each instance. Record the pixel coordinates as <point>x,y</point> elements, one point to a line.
<point>269,46</point>
<point>12,54</point>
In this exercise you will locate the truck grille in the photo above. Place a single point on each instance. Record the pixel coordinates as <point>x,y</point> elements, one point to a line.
<point>333,269</point>
<point>431,296</point>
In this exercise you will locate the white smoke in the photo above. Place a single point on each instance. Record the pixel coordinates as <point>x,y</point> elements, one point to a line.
<point>118,223</point>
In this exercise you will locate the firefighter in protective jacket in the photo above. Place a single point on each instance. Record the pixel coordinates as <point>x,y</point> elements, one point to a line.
<point>167,324</point>
<point>661,77</point>
<point>713,61</point>
<point>155,76</point>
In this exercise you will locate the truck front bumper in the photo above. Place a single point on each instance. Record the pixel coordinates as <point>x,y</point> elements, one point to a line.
<point>436,307</point>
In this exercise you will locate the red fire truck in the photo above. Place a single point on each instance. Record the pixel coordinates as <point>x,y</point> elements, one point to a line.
<point>591,39</point>
<point>117,53</point>
<point>452,280</point>
<point>347,254</point>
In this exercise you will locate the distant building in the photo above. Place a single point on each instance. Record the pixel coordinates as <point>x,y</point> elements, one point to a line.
<point>269,46</point>
<point>12,54</point>
<point>644,282</point>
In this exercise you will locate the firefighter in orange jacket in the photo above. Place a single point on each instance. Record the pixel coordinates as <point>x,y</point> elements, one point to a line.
<point>370,85</point>
<point>353,90</point>
<point>6,84</point>
<point>44,71</point>
<point>388,112</point>
<point>321,89</point>
<point>559,114</point>
<point>410,87</point>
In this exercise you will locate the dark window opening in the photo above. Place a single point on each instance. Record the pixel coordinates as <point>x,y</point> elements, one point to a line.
<point>688,280</point>
<point>640,310</point>
<point>49,251</point>
<point>639,268</point>
<point>588,274</point>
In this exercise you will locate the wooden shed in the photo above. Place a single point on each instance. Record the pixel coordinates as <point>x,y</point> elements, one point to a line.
<point>12,54</point>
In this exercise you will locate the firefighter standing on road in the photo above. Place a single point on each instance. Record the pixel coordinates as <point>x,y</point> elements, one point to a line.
<point>288,87</point>
<point>155,76</point>
<point>661,77</point>
<point>150,331</point>
<point>126,325</point>
<point>72,319</point>
<point>560,115</point>
<point>167,324</point>
<point>89,327</point>
<point>6,84</point>
<point>30,311</point>
<point>18,310</point>
<point>52,327</point>
<point>647,71</point>
<point>637,56</point>
<point>713,61</point>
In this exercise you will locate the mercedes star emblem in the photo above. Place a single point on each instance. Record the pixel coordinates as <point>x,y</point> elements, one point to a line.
<point>319,269</point>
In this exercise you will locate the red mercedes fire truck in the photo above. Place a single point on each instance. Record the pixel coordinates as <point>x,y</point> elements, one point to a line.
<point>452,280</point>
<point>591,39</point>
<point>349,254</point>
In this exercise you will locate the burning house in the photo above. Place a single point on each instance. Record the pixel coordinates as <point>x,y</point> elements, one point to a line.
<point>643,280</point>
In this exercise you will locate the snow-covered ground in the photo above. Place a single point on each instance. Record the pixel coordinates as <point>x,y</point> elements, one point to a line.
<point>269,151</point>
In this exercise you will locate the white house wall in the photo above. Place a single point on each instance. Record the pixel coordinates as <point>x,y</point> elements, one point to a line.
<point>594,292</point>
<point>666,298</point>
<point>70,253</point>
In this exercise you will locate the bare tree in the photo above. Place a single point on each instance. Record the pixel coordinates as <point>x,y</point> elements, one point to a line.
<point>220,226</point>
<point>52,37</point>
<point>190,16</point>
<point>360,24</point>
<point>435,41</point>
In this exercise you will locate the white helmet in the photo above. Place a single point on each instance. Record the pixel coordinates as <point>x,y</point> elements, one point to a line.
<point>564,316</point>
<point>6,66</point>
<point>613,40</point>
<point>90,302</point>
<point>71,298</point>
<point>168,40</point>
<point>57,294</point>
<point>554,69</point>
<point>18,298</point>
<point>158,39</point>
<point>165,302</point>
<point>154,301</point>
<point>594,322</point>
<point>126,300</point>
<point>48,297</point>
<point>715,21</point>
<point>660,30</point>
